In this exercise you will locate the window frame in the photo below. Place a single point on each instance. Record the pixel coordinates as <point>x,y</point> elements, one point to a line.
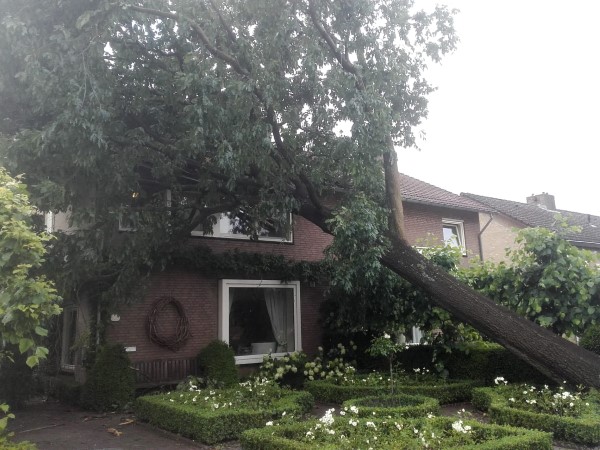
<point>460,228</point>
<point>224,309</point>
<point>70,312</point>
<point>239,236</point>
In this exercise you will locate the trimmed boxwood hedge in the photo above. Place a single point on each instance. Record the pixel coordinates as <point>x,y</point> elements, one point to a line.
<point>285,437</point>
<point>210,427</point>
<point>399,405</point>
<point>582,430</point>
<point>451,391</point>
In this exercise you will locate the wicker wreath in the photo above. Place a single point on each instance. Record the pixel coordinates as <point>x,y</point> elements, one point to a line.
<point>174,342</point>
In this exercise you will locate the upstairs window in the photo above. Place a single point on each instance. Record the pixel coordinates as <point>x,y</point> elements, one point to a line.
<point>231,226</point>
<point>454,234</point>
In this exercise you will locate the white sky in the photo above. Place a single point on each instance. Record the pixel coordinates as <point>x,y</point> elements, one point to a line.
<point>516,110</point>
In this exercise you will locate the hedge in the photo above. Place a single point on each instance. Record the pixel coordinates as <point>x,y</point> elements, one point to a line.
<point>451,391</point>
<point>477,361</point>
<point>582,430</point>
<point>394,406</point>
<point>210,427</point>
<point>287,437</point>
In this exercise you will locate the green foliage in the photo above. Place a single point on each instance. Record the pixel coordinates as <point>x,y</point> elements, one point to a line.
<point>396,406</point>
<point>591,339</point>
<point>110,383</point>
<point>547,280</point>
<point>27,299</point>
<point>295,368</point>
<point>252,128</point>
<point>388,348</point>
<point>386,302</point>
<point>583,430</point>
<point>485,361</point>
<point>450,391</point>
<point>225,414</point>
<point>216,361</point>
<point>438,432</point>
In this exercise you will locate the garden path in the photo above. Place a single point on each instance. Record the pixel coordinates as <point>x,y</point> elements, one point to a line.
<point>52,425</point>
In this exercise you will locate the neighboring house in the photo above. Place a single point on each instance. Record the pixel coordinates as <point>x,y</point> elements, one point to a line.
<point>500,226</point>
<point>254,315</point>
<point>430,211</point>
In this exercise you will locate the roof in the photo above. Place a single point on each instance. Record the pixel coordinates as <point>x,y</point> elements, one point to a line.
<point>417,191</point>
<point>532,215</point>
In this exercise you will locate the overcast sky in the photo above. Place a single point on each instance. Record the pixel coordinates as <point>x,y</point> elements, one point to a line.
<point>516,110</point>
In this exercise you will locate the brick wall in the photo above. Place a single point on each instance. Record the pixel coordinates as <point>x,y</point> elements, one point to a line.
<point>199,297</point>
<point>499,235</point>
<point>199,294</point>
<point>423,220</point>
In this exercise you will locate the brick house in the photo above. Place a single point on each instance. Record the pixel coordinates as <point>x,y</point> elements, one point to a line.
<point>255,315</point>
<point>499,225</point>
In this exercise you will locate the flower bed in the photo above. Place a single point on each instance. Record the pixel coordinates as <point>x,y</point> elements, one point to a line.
<point>212,416</point>
<point>347,433</point>
<point>388,406</point>
<point>445,391</point>
<point>571,417</point>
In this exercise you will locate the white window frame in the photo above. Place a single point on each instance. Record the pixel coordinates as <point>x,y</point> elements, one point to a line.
<point>239,236</point>
<point>225,285</point>
<point>49,222</point>
<point>460,227</point>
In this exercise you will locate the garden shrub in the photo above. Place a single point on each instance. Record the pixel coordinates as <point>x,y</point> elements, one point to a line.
<point>389,434</point>
<point>584,429</point>
<point>591,339</point>
<point>62,387</point>
<point>110,383</point>
<point>16,379</point>
<point>450,391</point>
<point>398,405</point>
<point>212,416</point>
<point>216,361</point>
<point>484,361</point>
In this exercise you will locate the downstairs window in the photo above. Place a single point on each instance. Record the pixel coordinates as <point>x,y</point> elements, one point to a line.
<point>258,317</point>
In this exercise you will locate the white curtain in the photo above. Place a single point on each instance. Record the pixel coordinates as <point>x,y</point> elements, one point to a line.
<point>279,306</point>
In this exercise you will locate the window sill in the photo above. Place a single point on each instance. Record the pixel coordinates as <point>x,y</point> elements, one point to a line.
<point>257,359</point>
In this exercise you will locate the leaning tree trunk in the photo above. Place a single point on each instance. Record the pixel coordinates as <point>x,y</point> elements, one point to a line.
<point>551,354</point>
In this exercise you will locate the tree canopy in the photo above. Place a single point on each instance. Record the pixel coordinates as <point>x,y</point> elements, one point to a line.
<point>260,108</point>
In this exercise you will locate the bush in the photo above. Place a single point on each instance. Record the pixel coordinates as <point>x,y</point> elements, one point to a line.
<point>212,416</point>
<point>400,405</point>
<point>16,380</point>
<point>591,339</point>
<point>450,391</point>
<point>584,429</point>
<point>111,382</point>
<point>62,387</point>
<point>216,361</point>
<point>449,434</point>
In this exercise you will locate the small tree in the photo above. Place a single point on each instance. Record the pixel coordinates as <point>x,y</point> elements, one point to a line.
<point>547,280</point>
<point>388,348</point>
<point>27,299</point>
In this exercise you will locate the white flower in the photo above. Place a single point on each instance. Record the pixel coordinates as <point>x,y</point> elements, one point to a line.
<point>371,425</point>
<point>354,409</point>
<point>430,416</point>
<point>269,423</point>
<point>511,399</point>
<point>499,380</point>
<point>386,336</point>
<point>353,422</point>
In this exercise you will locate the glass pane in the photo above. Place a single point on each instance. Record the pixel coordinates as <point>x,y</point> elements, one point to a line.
<point>261,320</point>
<point>451,235</point>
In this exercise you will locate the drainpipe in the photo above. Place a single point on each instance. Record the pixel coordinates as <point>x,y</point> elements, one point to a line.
<point>480,233</point>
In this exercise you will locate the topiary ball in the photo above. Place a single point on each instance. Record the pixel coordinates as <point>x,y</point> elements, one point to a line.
<point>591,339</point>
<point>216,361</point>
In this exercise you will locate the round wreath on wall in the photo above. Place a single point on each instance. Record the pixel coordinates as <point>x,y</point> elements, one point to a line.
<point>182,332</point>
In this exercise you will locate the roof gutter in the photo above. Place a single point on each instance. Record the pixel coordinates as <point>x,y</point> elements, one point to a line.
<point>584,243</point>
<point>481,232</point>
